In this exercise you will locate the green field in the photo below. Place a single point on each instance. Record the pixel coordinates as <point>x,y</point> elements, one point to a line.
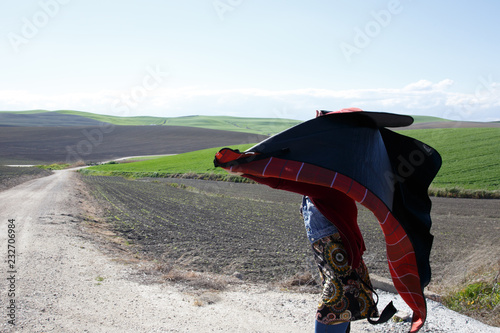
<point>197,162</point>
<point>27,111</point>
<point>471,156</point>
<point>428,119</point>
<point>471,160</point>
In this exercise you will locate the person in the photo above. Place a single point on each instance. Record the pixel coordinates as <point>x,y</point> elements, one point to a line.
<point>335,160</point>
<point>347,292</point>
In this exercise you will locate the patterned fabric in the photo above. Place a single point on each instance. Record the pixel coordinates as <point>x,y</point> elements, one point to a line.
<point>344,296</point>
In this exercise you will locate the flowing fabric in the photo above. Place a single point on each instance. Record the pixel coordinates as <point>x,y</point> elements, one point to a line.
<point>343,157</point>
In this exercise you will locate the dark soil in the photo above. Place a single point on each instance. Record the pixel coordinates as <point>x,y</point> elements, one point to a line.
<point>450,124</point>
<point>13,176</point>
<point>226,227</point>
<point>252,233</point>
<point>45,119</point>
<point>37,145</point>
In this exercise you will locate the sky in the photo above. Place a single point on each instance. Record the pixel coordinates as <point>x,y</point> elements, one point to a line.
<point>252,58</point>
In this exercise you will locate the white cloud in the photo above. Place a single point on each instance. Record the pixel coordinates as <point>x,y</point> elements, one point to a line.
<point>426,85</point>
<point>419,98</point>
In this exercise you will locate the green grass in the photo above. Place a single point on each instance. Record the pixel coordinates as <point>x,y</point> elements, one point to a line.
<point>428,119</point>
<point>197,162</point>
<point>55,166</point>
<point>471,156</point>
<point>471,160</point>
<point>479,295</point>
<point>125,121</point>
<point>477,299</point>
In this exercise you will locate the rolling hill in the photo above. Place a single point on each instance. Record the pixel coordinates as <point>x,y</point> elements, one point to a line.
<point>469,149</point>
<point>264,126</point>
<point>39,118</point>
<point>470,159</point>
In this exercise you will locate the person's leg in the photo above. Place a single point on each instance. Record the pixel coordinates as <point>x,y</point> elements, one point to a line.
<point>337,328</point>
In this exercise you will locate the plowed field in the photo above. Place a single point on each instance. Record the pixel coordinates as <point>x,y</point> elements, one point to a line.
<point>208,231</point>
<point>12,176</point>
<point>227,227</point>
<point>45,145</point>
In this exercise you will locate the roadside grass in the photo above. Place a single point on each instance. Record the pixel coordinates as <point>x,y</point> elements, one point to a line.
<point>60,165</point>
<point>477,299</point>
<point>55,166</point>
<point>471,163</point>
<point>457,192</point>
<point>478,296</point>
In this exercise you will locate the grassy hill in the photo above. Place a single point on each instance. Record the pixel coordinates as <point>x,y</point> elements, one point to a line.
<point>471,159</point>
<point>428,119</point>
<point>44,119</point>
<point>263,126</point>
<point>471,156</point>
<point>26,112</point>
<point>219,122</point>
<point>125,121</point>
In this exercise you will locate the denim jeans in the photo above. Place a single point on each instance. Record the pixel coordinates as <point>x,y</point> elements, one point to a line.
<point>317,226</point>
<point>338,328</point>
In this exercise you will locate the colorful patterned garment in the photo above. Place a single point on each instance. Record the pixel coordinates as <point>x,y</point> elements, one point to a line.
<point>353,153</point>
<point>344,297</point>
<point>347,292</point>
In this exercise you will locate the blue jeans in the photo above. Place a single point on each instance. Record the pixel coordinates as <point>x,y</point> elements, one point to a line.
<point>317,226</point>
<point>338,328</point>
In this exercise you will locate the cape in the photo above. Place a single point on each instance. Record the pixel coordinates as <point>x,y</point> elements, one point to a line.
<point>349,156</point>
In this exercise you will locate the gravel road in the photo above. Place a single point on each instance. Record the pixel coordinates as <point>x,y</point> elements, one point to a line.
<point>63,281</point>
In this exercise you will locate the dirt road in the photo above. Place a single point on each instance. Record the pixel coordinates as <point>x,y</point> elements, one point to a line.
<point>61,281</point>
